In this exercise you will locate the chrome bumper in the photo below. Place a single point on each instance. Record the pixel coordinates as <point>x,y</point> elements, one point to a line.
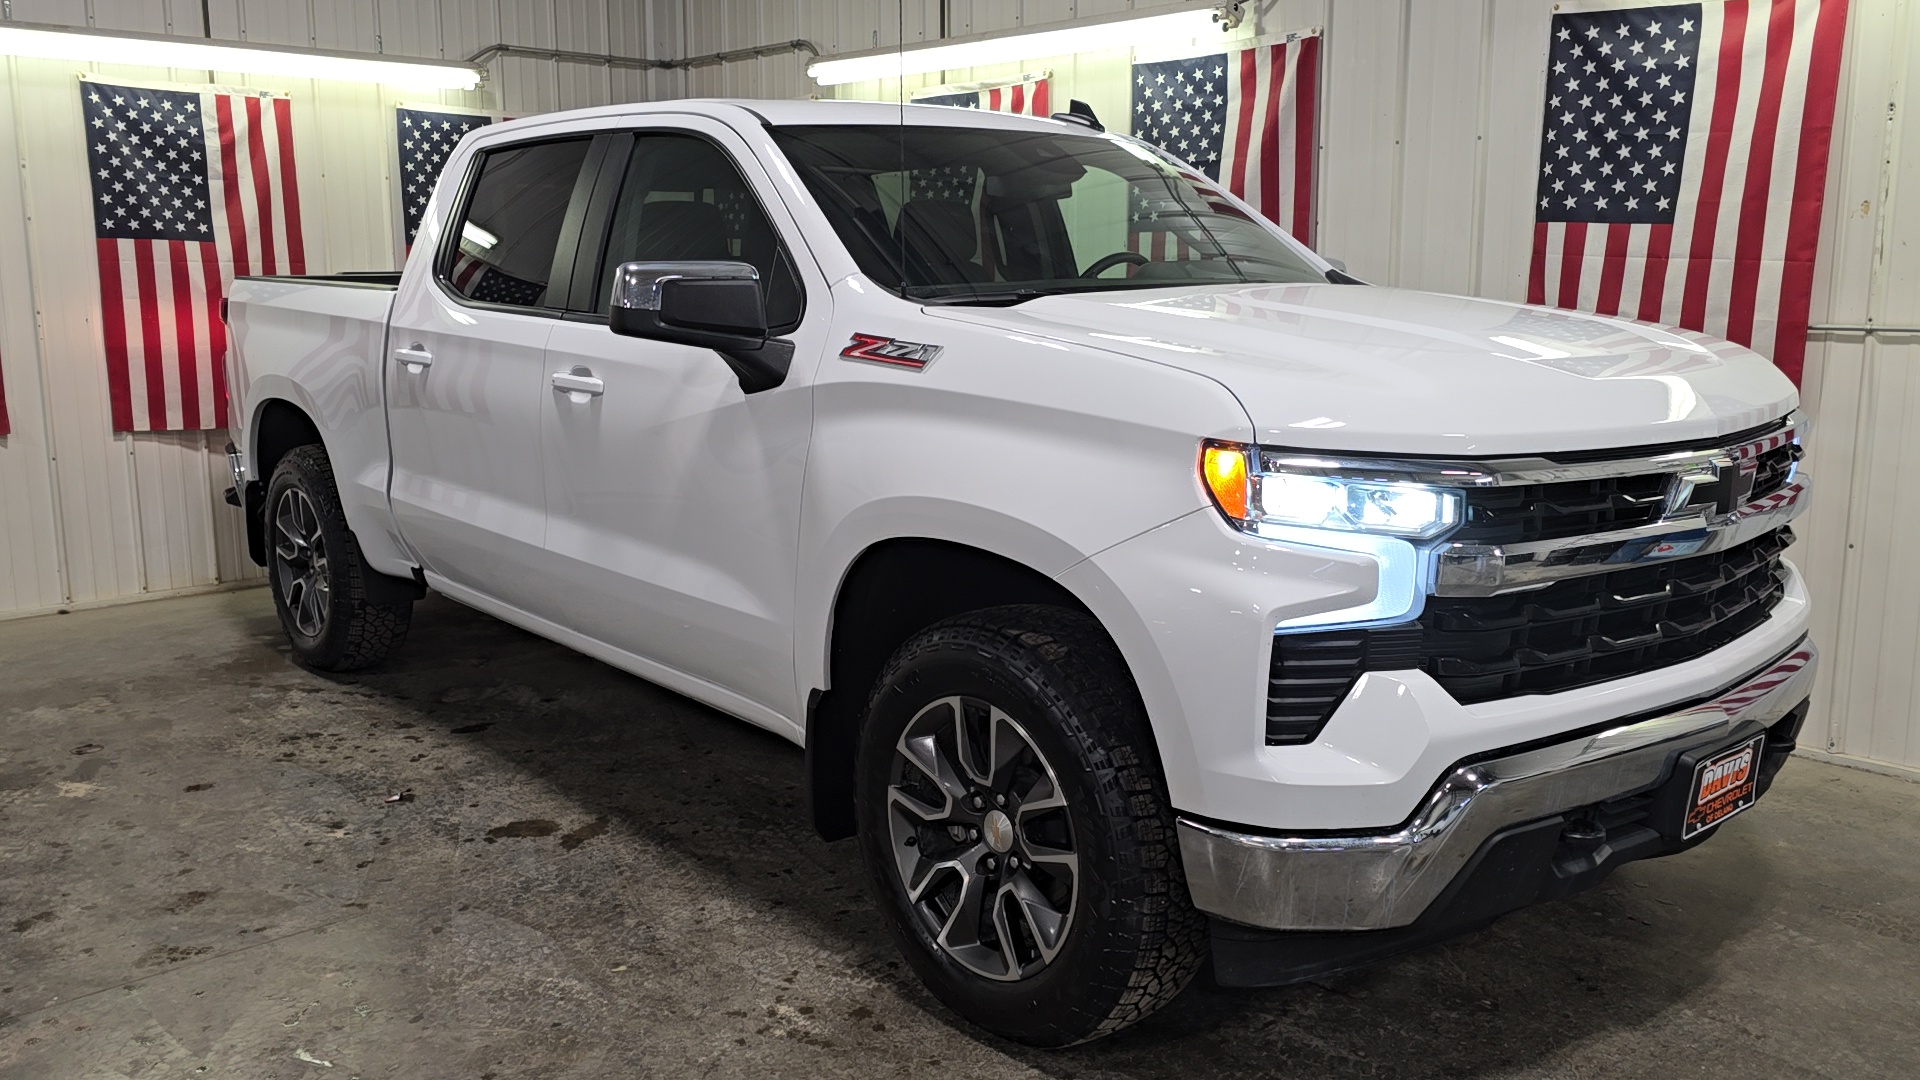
<point>1379,881</point>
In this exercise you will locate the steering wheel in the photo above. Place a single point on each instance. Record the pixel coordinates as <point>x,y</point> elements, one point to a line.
<point>1108,262</point>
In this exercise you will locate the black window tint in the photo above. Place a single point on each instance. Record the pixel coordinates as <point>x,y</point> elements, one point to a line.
<point>504,251</point>
<point>682,199</point>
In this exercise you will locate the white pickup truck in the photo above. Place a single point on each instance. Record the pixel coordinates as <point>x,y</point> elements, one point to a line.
<point>1141,587</point>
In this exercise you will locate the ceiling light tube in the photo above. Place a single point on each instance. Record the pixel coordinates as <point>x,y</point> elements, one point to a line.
<point>1082,35</point>
<point>157,50</point>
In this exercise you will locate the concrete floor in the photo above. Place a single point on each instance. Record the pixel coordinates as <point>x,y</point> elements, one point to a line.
<point>199,876</point>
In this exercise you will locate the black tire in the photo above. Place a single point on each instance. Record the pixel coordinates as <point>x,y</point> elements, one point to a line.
<point>318,577</point>
<point>1132,939</point>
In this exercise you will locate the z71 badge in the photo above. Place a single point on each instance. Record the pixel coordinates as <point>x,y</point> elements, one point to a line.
<point>884,350</point>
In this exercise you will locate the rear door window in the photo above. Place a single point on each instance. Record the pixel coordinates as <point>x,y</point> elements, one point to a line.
<point>505,244</point>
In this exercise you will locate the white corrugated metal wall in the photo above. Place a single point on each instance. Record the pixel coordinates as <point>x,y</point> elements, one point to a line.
<point>87,515</point>
<point>1429,125</point>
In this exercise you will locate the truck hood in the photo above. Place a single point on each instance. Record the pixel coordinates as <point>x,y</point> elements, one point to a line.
<point>1379,370</point>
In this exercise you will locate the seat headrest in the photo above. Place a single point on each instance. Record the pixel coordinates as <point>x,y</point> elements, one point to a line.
<point>673,231</point>
<point>940,230</point>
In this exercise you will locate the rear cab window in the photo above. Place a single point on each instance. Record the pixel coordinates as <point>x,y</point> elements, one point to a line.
<point>505,246</point>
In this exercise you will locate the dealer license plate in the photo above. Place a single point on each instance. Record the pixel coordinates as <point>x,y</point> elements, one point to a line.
<point>1723,785</point>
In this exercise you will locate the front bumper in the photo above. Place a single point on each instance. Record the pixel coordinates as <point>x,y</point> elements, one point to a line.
<point>1380,880</point>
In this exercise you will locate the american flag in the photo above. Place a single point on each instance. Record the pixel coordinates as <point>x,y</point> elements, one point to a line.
<point>190,189</point>
<point>1683,162</point>
<point>1027,98</point>
<point>425,139</point>
<point>1245,118</point>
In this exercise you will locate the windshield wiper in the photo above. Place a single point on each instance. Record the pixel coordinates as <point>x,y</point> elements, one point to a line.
<point>998,298</point>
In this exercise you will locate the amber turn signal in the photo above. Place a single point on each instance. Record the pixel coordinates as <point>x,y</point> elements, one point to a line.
<point>1223,468</point>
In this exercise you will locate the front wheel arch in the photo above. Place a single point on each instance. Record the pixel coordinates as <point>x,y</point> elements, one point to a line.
<point>894,590</point>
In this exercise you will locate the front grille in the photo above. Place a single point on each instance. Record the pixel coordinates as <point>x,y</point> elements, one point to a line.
<point>1773,469</point>
<point>1573,633</point>
<point>1526,512</point>
<point>1523,513</point>
<point>1591,629</point>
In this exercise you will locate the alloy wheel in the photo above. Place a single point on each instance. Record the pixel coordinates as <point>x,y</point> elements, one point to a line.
<point>981,839</point>
<point>300,562</point>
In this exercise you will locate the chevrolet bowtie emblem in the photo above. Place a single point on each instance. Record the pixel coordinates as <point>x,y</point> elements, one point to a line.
<point>1714,490</point>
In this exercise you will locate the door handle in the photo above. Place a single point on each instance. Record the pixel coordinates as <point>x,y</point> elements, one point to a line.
<point>415,357</point>
<point>578,384</point>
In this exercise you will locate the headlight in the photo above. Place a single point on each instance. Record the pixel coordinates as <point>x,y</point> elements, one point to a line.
<point>1312,499</point>
<point>1339,505</point>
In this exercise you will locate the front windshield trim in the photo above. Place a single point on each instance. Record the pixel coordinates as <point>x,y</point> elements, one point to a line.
<point>937,211</point>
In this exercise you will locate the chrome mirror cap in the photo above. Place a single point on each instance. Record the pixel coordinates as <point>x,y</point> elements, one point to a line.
<point>637,285</point>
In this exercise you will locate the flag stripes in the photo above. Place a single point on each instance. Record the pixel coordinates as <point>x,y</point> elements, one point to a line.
<point>1733,256</point>
<point>1028,97</point>
<point>1025,99</point>
<point>171,237</point>
<point>1246,118</point>
<point>1269,155</point>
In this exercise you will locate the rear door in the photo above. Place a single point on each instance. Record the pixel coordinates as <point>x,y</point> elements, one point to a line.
<point>466,368</point>
<point>673,498</point>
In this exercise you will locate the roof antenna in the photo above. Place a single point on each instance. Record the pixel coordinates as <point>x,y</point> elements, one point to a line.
<point>900,222</point>
<point>1079,112</point>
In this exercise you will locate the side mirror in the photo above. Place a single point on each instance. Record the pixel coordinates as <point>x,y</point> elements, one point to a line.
<point>712,305</point>
<point>1337,264</point>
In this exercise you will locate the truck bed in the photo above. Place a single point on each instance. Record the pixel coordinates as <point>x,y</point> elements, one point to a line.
<point>319,342</point>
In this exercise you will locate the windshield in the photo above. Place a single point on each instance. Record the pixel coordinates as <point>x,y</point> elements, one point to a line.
<point>958,215</point>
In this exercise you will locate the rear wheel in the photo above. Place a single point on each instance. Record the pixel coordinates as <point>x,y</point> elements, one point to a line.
<point>315,569</point>
<point>1016,829</point>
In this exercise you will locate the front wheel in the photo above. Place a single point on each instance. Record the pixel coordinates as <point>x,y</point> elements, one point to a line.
<point>1016,830</point>
<point>317,576</point>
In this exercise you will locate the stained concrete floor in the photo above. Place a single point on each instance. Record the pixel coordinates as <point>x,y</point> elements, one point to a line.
<point>595,878</point>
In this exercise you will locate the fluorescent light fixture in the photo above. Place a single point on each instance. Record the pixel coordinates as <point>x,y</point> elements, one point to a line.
<point>1084,35</point>
<point>478,237</point>
<point>157,50</point>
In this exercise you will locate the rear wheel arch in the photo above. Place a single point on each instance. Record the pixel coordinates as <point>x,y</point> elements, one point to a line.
<point>279,427</point>
<point>892,591</point>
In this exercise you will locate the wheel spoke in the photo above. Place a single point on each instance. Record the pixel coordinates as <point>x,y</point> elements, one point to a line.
<point>962,927</point>
<point>1041,795</point>
<point>1009,744</point>
<point>310,607</point>
<point>1047,925</point>
<point>294,542</point>
<point>963,741</point>
<point>926,812</point>
<point>924,751</point>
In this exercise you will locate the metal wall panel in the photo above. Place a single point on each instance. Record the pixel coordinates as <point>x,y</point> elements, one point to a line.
<point>1866,395</point>
<point>30,564</point>
<point>410,28</point>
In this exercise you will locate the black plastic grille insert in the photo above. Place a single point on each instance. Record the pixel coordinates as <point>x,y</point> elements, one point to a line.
<point>1569,634</point>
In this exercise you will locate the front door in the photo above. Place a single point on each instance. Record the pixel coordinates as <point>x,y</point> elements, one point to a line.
<point>467,371</point>
<point>673,499</point>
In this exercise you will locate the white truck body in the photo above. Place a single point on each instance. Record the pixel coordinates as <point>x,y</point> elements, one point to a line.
<point>675,526</point>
